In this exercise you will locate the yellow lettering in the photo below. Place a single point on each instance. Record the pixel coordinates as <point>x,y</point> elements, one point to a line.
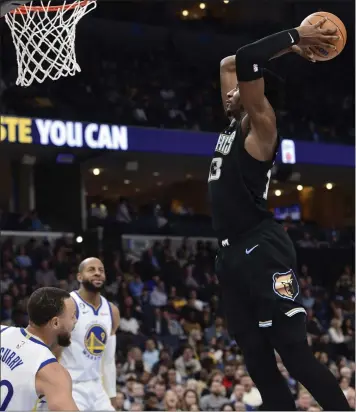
<point>15,129</point>
<point>11,129</point>
<point>3,132</point>
<point>25,131</point>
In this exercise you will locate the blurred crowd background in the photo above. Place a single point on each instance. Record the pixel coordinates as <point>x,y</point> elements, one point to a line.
<point>174,81</point>
<point>155,64</point>
<point>174,351</point>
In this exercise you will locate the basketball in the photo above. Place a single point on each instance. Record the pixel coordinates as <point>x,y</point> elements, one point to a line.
<point>333,21</point>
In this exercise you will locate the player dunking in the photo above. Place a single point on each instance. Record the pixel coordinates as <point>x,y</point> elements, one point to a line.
<point>91,355</point>
<point>256,263</point>
<point>29,370</point>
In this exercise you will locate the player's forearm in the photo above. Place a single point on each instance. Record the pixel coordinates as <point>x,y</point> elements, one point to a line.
<point>250,58</point>
<point>228,64</point>
<point>281,53</point>
<point>268,47</point>
<point>109,367</point>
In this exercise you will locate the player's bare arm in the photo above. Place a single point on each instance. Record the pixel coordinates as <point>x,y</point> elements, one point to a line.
<point>260,142</point>
<point>55,383</point>
<point>108,362</point>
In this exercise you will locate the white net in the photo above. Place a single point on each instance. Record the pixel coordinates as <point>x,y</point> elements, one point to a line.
<point>44,38</point>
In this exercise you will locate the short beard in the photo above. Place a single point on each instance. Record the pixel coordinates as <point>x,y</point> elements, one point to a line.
<point>92,288</point>
<point>63,340</point>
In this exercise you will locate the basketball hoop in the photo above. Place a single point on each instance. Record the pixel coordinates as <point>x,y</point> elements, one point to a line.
<point>44,38</point>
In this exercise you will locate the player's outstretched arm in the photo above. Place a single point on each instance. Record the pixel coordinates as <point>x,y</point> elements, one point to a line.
<point>249,62</point>
<point>55,383</point>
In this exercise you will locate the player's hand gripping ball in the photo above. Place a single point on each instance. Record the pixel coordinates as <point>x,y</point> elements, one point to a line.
<point>324,33</point>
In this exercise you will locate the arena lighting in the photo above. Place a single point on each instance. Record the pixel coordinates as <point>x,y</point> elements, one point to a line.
<point>300,188</point>
<point>278,192</point>
<point>79,239</point>
<point>202,6</point>
<point>105,188</point>
<point>159,183</point>
<point>185,13</point>
<point>226,1</point>
<point>127,181</point>
<point>96,172</point>
<point>329,186</point>
<point>155,174</point>
<point>137,189</point>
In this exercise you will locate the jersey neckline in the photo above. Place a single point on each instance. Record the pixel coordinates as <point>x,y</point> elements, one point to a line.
<point>96,311</point>
<point>30,337</point>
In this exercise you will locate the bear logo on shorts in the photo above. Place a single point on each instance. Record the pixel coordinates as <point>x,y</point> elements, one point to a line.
<point>286,285</point>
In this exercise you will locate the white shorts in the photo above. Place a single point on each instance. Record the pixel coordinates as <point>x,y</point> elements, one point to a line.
<point>91,395</point>
<point>88,395</point>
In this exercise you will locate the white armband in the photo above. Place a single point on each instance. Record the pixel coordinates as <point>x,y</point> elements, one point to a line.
<point>109,367</point>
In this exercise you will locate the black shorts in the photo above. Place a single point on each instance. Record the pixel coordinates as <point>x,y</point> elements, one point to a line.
<point>257,273</point>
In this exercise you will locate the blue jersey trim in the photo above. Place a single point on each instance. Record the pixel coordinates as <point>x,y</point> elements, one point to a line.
<point>95,311</point>
<point>32,339</point>
<point>76,309</point>
<point>3,330</point>
<point>112,321</point>
<point>46,362</point>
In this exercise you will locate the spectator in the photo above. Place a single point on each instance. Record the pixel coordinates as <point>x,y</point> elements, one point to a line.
<point>251,396</point>
<point>239,406</point>
<point>215,400</point>
<point>5,281</point>
<point>6,310</point>
<point>45,276</point>
<point>227,407</point>
<point>128,323</point>
<point>190,398</point>
<point>170,401</point>
<point>306,242</point>
<point>186,365</point>
<point>151,354</point>
<point>307,299</point>
<point>158,296</point>
<point>304,401</point>
<point>151,402</point>
<point>160,391</point>
<point>337,337</point>
<point>123,213</point>
<point>136,286</point>
<point>22,259</point>
<point>346,388</point>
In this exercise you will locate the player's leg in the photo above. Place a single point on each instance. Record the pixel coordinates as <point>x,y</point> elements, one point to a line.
<point>242,324</point>
<point>279,290</point>
<point>289,337</point>
<point>102,400</point>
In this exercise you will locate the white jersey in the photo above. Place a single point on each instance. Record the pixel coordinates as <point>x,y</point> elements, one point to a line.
<point>22,356</point>
<point>82,358</point>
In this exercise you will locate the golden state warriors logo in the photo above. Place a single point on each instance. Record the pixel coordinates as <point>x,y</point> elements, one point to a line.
<point>286,285</point>
<point>95,341</point>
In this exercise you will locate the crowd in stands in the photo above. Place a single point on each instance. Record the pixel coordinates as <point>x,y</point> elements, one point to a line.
<point>174,351</point>
<point>165,89</point>
<point>123,217</point>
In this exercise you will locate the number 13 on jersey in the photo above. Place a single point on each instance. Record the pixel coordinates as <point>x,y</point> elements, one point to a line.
<point>215,169</point>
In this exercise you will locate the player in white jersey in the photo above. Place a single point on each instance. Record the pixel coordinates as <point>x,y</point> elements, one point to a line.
<point>90,359</point>
<point>29,370</point>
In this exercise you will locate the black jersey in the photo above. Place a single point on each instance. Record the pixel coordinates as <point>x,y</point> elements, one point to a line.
<point>238,185</point>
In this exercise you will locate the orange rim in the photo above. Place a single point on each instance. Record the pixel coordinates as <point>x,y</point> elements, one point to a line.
<point>26,9</point>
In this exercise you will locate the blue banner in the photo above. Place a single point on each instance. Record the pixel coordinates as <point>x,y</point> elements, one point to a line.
<point>58,133</point>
